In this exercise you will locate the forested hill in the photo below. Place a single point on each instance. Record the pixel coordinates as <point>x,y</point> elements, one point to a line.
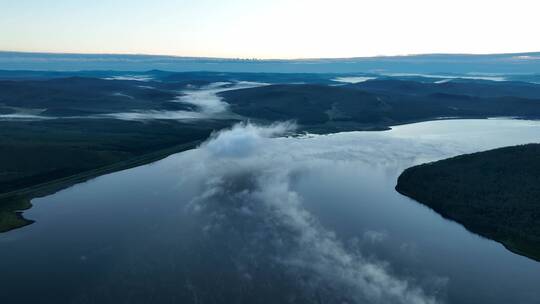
<point>382,103</point>
<point>467,87</point>
<point>494,193</point>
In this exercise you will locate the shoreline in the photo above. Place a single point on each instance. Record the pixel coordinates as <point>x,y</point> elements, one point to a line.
<point>21,198</point>
<point>491,193</point>
<point>512,248</point>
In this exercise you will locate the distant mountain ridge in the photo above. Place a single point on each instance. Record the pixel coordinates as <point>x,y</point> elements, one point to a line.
<point>514,63</point>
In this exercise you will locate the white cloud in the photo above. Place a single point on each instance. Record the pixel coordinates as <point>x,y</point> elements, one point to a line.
<point>247,192</point>
<point>244,139</point>
<point>205,99</point>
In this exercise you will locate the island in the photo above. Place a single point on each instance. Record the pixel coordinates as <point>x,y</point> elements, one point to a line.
<point>493,193</point>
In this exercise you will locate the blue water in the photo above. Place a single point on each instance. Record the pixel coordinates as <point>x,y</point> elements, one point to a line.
<point>250,218</point>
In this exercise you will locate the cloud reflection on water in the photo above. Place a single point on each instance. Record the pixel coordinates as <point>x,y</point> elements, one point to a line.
<point>248,192</point>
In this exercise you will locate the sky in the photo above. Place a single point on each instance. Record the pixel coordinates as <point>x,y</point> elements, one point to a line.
<point>269,29</point>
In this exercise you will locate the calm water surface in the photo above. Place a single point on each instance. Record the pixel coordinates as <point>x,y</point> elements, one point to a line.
<point>248,218</point>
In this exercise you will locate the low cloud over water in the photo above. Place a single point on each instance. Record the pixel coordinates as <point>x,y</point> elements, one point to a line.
<point>248,194</point>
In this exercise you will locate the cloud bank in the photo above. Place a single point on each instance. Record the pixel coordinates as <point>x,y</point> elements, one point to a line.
<point>247,196</point>
<point>244,139</point>
<point>208,104</point>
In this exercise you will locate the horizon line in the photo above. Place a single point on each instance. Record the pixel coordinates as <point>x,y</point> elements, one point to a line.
<point>269,59</point>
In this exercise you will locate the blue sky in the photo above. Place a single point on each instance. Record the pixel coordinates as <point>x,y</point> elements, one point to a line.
<point>270,29</point>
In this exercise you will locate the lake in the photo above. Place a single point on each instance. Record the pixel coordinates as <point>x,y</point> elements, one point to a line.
<point>253,216</point>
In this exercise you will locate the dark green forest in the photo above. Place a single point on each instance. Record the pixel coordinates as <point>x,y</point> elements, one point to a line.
<point>40,157</point>
<point>379,104</point>
<point>494,193</point>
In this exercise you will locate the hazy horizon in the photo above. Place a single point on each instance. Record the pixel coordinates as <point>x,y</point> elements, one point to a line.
<point>534,52</point>
<point>510,63</point>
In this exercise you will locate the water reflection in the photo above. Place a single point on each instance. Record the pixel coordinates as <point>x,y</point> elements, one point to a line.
<point>252,218</point>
